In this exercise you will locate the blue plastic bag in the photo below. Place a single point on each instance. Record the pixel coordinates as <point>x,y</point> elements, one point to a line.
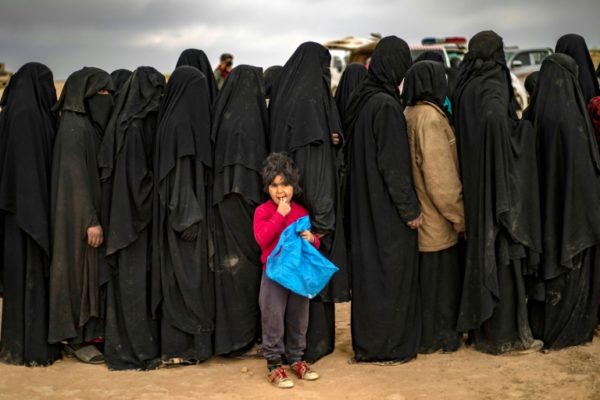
<point>296,264</point>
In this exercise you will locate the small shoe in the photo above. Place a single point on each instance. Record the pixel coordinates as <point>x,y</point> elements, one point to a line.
<point>303,371</point>
<point>279,378</point>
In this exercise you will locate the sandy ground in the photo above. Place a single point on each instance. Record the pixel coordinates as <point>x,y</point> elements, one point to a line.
<point>568,374</point>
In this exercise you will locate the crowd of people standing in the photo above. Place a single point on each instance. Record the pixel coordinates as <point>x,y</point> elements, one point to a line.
<point>127,226</point>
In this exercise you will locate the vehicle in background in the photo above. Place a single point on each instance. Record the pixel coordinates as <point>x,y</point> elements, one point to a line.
<point>4,75</point>
<point>349,50</point>
<point>455,46</point>
<point>523,62</point>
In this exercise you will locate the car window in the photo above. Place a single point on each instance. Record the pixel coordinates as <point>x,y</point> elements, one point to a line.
<point>538,56</point>
<point>524,58</point>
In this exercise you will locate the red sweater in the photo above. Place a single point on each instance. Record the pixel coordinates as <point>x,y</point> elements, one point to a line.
<point>268,225</point>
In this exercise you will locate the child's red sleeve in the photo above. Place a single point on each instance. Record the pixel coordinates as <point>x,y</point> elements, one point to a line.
<point>267,227</point>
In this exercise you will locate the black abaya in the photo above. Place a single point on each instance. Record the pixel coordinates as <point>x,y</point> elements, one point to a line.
<point>499,175</point>
<point>182,281</point>
<point>125,162</point>
<point>569,167</point>
<point>385,303</point>
<point>239,135</point>
<point>27,131</point>
<point>76,276</point>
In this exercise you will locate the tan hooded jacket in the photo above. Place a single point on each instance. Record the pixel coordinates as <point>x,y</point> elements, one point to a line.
<point>436,176</point>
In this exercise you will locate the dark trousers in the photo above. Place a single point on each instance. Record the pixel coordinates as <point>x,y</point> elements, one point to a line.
<point>284,314</point>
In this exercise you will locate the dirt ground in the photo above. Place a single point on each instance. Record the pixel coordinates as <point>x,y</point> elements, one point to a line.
<point>567,374</point>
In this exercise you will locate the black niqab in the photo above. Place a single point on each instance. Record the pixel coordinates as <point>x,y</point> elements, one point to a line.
<point>199,60</point>
<point>27,130</point>
<point>574,46</point>
<point>386,71</point>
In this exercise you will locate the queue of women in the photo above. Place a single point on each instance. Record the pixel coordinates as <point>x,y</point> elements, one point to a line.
<point>126,207</point>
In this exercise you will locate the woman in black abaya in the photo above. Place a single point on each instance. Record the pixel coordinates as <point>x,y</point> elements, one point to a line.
<point>77,274</point>
<point>27,130</point>
<point>386,323</point>
<point>303,118</point>
<point>569,167</point>
<point>125,162</point>
<point>182,281</point>
<point>499,176</point>
<point>239,136</point>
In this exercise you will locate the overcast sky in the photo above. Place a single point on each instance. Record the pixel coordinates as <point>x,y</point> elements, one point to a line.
<point>111,34</point>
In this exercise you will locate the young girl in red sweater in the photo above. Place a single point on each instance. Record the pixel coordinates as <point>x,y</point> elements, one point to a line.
<point>284,313</point>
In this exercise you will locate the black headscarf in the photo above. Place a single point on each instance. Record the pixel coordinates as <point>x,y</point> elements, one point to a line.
<point>499,174</point>
<point>531,82</point>
<point>119,77</point>
<point>389,63</point>
<point>198,59</point>
<point>569,165</point>
<point>352,77</point>
<point>27,131</point>
<point>574,45</point>
<point>239,133</point>
<point>425,81</point>
<point>300,106</point>
<point>270,76</point>
<point>139,97</point>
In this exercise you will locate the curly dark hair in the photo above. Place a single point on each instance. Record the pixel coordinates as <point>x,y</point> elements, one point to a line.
<point>280,164</point>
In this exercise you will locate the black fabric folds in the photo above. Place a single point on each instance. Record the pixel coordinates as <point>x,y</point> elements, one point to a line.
<point>119,77</point>
<point>574,46</point>
<point>386,323</point>
<point>499,175</point>
<point>199,60</point>
<point>425,81</point>
<point>76,276</point>
<point>27,131</point>
<point>182,281</point>
<point>569,167</point>
<point>125,162</point>
<point>302,118</point>
<point>270,76</point>
<point>352,77</point>
<point>239,136</point>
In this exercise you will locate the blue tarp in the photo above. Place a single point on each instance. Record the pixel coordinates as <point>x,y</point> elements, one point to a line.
<point>296,264</point>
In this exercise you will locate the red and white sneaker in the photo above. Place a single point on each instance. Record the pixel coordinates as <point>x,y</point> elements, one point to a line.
<point>303,371</point>
<point>279,378</point>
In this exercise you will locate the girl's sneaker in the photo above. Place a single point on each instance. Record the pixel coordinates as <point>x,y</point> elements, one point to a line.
<point>303,371</point>
<point>278,377</point>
